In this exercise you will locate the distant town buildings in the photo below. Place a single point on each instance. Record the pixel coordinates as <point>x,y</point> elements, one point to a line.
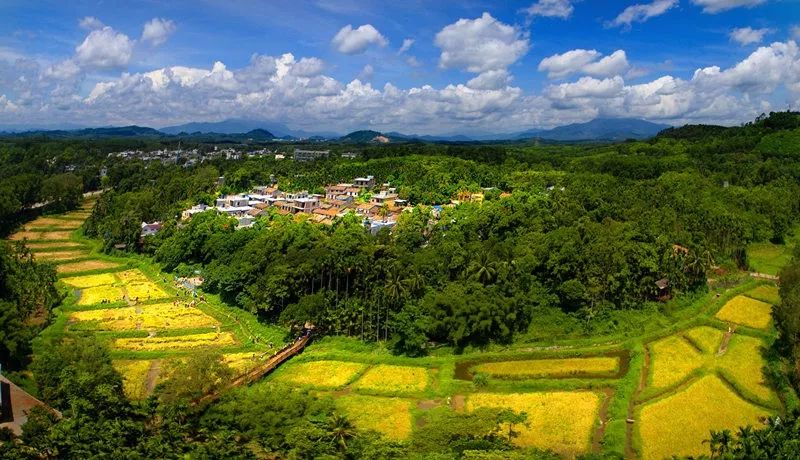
<point>310,155</point>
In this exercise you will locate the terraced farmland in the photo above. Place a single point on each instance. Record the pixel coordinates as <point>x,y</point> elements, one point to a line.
<point>146,319</point>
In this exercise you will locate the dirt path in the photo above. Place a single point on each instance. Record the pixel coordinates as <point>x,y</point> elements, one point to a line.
<point>152,376</point>
<point>726,339</point>
<point>629,450</point>
<point>600,431</point>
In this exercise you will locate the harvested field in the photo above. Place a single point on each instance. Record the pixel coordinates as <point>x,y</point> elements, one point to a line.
<point>51,222</point>
<point>160,316</point>
<point>86,265</point>
<point>390,417</point>
<point>743,362</point>
<point>765,293</point>
<point>182,342</point>
<point>134,376</point>
<point>673,360</point>
<point>61,255</point>
<point>678,424</point>
<point>321,374</point>
<point>65,245</point>
<point>90,280</point>
<point>706,338</point>
<point>537,368</point>
<point>44,236</point>
<point>98,294</point>
<point>559,420</point>
<point>401,379</point>
<point>747,312</point>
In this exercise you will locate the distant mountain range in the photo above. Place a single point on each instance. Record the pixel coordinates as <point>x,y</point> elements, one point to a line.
<point>236,126</point>
<point>239,130</point>
<point>605,129</point>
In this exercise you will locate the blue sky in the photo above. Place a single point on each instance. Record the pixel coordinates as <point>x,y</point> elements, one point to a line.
<point>467,66</point>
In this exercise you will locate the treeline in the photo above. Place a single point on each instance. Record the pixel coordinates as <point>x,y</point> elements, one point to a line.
<point>27,296</point>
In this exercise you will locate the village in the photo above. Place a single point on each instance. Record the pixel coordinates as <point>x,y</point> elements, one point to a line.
<point>378,205</point>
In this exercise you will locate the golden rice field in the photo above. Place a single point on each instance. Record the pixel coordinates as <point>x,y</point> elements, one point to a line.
<point>400,379</point>
<point>390,417</point>
<point>537,368</point>
<point>60,255</point>
<point>747,312</point>
<point>134,376</point>
<point>98,294</point>
<point>673,358</point>
<point>90,280</point>
<point>562,421</point>
<point>144,290</point>
<point>706,338</point>
<point>766,293</point>
<point>743,362</point>
<point>678,424</point>
<point>134,275</point>
<point>321,374</point>
<point>86,265</point>
<point>159,316</point>
<point>52,246</point>
<point>182,342</point>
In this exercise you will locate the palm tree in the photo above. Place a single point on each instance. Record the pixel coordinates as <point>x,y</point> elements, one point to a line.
<point>719,443</point>
<point>482,268</point>
<point>340,430</point>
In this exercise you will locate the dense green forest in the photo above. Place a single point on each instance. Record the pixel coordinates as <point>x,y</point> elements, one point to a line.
<point>575,250</point>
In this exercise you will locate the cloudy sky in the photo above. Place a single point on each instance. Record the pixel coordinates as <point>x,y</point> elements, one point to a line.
<point>416,66</point>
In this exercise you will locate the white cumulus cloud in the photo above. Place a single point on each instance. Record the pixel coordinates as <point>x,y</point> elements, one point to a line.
<point>478,45</point>
<point>748,35</point>
<point>104,48</point>
<point>90,23</point>
<point>716,6</point>
<point>551,9</point>
<point>157,30</point>
<point>584,61</point>
<point>642,12</point>
<point>406,45</point>
<point>353,41</point>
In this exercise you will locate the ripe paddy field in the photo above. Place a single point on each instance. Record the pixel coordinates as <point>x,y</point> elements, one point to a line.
<point>650,395</point>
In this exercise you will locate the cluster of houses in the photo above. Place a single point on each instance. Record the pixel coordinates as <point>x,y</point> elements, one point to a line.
<point>191,157</point>
<point>379,206</point>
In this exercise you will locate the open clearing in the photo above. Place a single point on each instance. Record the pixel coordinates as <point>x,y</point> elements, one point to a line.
<point>180,342</point>
<point>243,362</point>
<point>390,417</point>
<point>747,312</point>
<point>85,266</point>
<point>321,374</point>
<point>538,368</point>
<point>769,258</point>
<point>399,379</point>
<point>559,420</point>
<point>159,316</point>
<point>679,423</point>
